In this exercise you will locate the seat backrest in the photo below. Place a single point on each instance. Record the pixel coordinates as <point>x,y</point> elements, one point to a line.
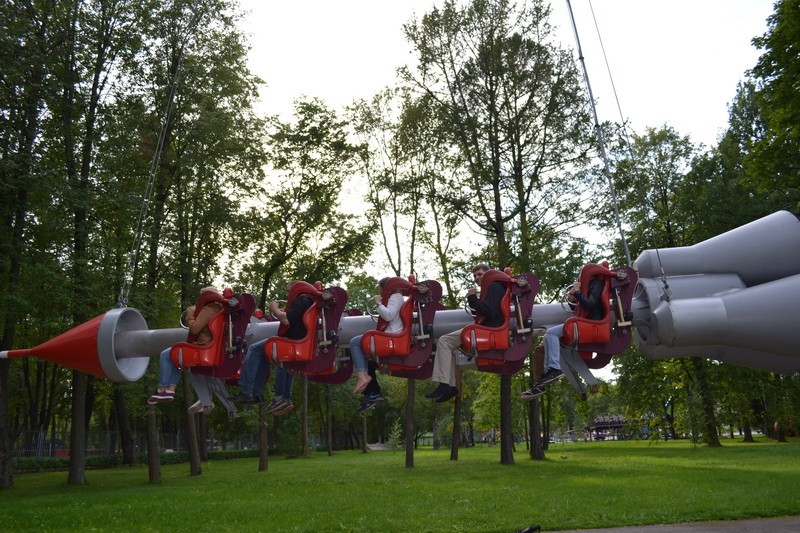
<point>589,271</point>
<point>490,277</point>
<point>406,288</point>
<point>311,314</point>
<point>204,299</point>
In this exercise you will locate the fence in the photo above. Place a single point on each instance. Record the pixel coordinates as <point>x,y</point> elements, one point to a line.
<point>41,444</point>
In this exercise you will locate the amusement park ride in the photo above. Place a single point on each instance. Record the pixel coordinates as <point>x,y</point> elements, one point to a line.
<point>724,298</point>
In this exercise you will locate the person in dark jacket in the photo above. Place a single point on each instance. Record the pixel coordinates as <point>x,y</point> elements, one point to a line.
<point>255,367</point>
<point>444,365</point>
<point>591,301</point>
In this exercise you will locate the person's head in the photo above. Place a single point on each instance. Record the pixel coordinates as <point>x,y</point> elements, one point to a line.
<point>382,283</point>
<point>478,271</point>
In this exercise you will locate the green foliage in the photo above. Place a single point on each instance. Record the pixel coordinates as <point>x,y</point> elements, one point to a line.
<point>309,159</point>
<point>289,435</point>
<point>773,163</point>
<point>395,440</point>
<point>98,462</point>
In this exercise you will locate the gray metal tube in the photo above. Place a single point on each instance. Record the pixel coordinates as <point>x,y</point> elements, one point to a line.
<point>650,294</point>
<point>761,251</point>
<point>728,354</point>
<point>746,319</point>
<point>150,343</point>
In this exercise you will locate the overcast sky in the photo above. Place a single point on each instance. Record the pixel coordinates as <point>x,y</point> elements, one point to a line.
<point>674,63</point>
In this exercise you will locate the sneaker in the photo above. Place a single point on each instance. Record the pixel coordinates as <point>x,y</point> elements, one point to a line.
<point>446,397</point>
<point>373,397</point>
<point>274,405</point>
<point>245,397</point>
<point>366,406</point>
<point>530,394</point>
<point>161,397</point>
<point>550,376</point>
<point>195,408</point>
<point>439,391</point>
<point>285,408</point>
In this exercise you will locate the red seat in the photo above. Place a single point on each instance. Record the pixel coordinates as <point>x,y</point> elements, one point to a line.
<point>579,330</point>
<point>280,349</point>
<point>187,354</point>
<point>378,342</point>
<point>479,337</point>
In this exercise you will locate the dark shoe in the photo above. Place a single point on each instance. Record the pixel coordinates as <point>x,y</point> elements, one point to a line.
<point>373,397</point>
<point>161,397</point>
<point>528,395</point>
<point>245,397</point>
<point>366,406</point>
<point>274,405</point>
<point>439,391</point>
<point>446,397</point>
<point>550,376</point>
<point>284,408</point>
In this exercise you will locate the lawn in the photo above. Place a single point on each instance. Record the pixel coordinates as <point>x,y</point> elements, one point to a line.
<point>579,485</point>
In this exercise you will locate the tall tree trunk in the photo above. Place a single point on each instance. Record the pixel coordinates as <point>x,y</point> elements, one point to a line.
<point>711,432</point>
<point>77,435</point>
<point>534,408</point>
<point>506,432</point>
<point>456,440</point>
<point>304,420</point>
<point>409,425</point>
<point>6,471</point>
<point>748,432</point>
<point>364,447</point>
<point>437,442</point>
<point>195,468</point>
<point>263,438</point>
<point>124,425</point>
<point>202,437</point>
<point>328,420</point>
<point>153,449</point>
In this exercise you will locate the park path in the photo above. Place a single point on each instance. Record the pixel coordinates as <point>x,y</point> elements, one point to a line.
<point>761,525</point>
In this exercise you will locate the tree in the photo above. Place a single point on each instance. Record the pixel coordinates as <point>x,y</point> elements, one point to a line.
<point>308,161</point>
<point>511,103</point>
<point>773,163</point>
<point>26,47</point>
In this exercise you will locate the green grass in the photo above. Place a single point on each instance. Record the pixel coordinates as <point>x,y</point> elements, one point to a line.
<point>580,485</point>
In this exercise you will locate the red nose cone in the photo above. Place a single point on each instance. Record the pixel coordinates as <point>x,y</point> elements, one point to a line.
<point>76,348</point>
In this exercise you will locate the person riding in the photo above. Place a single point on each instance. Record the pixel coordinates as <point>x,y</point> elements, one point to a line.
<point>592,303</point>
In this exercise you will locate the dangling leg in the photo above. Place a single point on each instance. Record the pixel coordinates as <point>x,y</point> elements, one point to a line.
<point>360,364</point>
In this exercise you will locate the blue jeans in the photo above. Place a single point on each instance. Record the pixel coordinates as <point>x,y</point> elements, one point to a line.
<point>552,347</point>
<point>168,374</point>
<point>283,384</point>
<point>254,373</point>
<point>357,354</point>
<point>254,369</point>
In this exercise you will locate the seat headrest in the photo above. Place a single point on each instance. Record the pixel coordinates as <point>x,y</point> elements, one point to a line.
<point>394,284</point>
<point>493,275</point>
<point>206,298</point>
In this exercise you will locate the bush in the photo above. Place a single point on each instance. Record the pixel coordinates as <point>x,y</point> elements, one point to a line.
<point>24,465</point>
<point>289,436</point>
<point>395,441</point>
